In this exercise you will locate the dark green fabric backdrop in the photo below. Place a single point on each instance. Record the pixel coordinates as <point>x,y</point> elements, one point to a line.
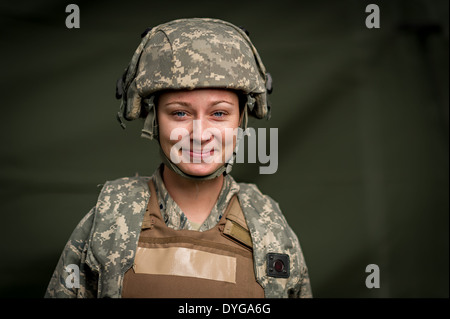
<point>362,116</point>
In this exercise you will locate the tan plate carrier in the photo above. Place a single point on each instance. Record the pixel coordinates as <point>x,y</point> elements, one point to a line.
<point>216,263</point>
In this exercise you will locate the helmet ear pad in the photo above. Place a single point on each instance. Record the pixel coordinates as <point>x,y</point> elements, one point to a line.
<point>150,129</point>
<point>133,106</point>
<point>260,110</point>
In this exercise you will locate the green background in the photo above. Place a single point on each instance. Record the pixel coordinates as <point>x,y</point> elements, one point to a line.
<point>362,117</point>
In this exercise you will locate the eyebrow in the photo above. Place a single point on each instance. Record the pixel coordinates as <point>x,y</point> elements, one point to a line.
<point>186,104</point>
<point>178,102</point>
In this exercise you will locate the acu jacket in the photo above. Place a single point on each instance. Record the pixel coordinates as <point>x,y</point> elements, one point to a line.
<point>104,243</point>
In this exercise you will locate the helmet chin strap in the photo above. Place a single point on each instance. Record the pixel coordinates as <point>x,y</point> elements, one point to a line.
<point>223,170</point>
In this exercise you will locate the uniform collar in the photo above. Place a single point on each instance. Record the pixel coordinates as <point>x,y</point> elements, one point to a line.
<point>173,215</point>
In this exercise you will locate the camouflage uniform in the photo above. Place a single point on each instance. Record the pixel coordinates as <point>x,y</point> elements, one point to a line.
<point>181,54</point>
<point>174,216</point>
<point>104,243</point>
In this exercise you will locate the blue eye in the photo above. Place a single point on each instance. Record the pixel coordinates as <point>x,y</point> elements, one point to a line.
<point>218,114</point>
<point>179,113</point>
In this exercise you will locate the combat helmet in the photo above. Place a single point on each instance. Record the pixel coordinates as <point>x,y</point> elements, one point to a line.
<point>191,54</point>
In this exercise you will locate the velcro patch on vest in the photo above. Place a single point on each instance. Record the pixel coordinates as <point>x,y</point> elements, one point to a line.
<point>187,262</point>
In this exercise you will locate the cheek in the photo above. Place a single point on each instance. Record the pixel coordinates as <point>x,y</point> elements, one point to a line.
<point>229,133</point>
<point>164,130</point>
<point>235,120</point>
<point>164,133</point>
<point>171,132</point>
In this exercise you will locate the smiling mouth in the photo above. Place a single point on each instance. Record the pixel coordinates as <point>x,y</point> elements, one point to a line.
<point>201,154</point>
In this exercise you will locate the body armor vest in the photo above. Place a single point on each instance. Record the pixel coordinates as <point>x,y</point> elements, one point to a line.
<point>217,263</point>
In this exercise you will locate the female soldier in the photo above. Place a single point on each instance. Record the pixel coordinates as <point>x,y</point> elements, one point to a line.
<point>189,230</point>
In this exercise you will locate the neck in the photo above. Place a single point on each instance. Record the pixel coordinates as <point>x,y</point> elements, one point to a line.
<point>195,198</point>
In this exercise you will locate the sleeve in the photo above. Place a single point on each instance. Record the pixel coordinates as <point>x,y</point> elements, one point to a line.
<point>271,232</point>
<point>72,277</point>
<point>303,287</point>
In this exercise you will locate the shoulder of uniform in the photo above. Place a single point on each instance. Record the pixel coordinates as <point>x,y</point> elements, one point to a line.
<point>248,188</point>
<point>261,209</point>
<point>126,192</point>
<point>249,194</point>
<point>118,216</point>
<point>271,233</point>
<point>125,183</point>
<point>120,204</point>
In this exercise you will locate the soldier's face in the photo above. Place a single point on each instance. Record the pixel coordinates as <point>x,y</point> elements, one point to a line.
<point>197,128</point>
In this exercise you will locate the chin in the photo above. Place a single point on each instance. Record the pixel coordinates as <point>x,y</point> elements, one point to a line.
<point>199,169</point>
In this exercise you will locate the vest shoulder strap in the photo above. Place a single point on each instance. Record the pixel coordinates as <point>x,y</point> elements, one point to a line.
<point>236,226</point>
<point>147,221</point>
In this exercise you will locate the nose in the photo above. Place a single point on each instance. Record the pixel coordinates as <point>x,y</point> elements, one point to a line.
<point>200,134</point>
